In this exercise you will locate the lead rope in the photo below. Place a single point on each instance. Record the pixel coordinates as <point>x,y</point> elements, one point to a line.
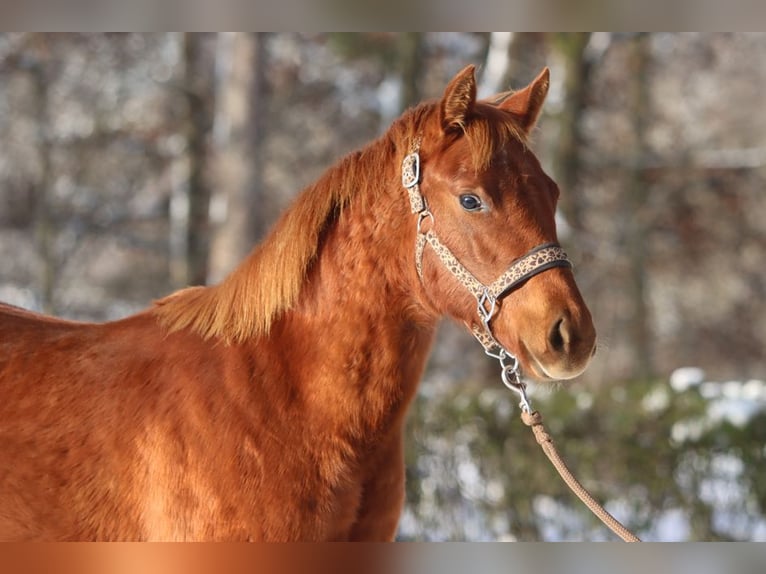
<point>538,260</point>
<point>534,420</point>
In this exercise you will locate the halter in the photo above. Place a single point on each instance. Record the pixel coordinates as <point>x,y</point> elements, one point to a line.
<point>537,260</point>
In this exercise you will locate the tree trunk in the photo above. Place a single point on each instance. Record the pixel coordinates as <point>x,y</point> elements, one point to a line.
<point>566,153</point>
<point>526,57</point>
<point>495,64</point>
<point>411,58</point>
<point>44,226</point>
<point>198,82</point>
<point>236,204</point>
<point>635,216</point>
<point>190,198</point>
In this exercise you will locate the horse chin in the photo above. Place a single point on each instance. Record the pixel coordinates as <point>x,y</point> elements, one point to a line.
<point>540,367</point>
<point>560,353</point>
<point>550,374</point>
<point>542,372</point>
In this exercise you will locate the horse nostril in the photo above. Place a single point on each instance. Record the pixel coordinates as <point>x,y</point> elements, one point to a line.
<point>559,336</point>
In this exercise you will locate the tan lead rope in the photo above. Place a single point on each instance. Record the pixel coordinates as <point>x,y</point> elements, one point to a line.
<point>534,420</point>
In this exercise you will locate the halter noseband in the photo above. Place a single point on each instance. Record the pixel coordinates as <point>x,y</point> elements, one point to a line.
<point>537,260</point>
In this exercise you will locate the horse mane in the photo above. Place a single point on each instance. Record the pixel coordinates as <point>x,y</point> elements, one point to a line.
<point>269,280</point>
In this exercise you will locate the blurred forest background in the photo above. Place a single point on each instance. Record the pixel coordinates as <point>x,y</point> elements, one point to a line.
<point>135,164</point>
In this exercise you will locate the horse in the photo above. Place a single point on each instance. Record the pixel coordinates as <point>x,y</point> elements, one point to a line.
<point>270,406</point>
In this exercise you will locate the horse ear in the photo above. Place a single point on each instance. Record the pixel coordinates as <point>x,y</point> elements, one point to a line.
<point>458,100</point>
<point>527,102</point>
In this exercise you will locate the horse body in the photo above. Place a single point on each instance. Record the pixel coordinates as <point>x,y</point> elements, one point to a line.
<point>272,438</point>
<point>271,406</point>
<point>144,435</point>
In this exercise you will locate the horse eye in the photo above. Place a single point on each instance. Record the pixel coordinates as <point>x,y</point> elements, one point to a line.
<point>470,202</point>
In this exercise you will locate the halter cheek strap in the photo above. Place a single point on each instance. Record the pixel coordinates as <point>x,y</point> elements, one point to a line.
<point>537,260</point>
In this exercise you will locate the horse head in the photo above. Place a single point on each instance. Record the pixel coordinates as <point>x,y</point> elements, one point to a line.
<point>489,202</point>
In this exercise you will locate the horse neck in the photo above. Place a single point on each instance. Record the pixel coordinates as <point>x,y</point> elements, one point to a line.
<point>359,334</point>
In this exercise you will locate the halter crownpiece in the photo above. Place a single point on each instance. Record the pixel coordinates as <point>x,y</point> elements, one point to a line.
<point>537,260</point>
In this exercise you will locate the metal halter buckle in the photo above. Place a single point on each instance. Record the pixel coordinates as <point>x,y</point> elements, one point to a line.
<point>512,379</point>
<point>411,170</point>
<point>425,214</point>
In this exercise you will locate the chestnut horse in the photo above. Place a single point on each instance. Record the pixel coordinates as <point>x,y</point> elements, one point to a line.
<point>271,406</point>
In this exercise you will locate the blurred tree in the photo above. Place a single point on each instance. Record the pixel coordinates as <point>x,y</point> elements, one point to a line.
<point>39,65</point>
<point>237,201</point>
<point>495,62</point>
<point>199,90</point>
<point>527,53</point>
<point>411,48</point>
<point>567,158</point>
<point>190,199</point>
<point>634,214</point>
<point>402,54</point>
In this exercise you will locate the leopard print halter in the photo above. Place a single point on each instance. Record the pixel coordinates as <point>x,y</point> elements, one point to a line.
<point>537,260</point>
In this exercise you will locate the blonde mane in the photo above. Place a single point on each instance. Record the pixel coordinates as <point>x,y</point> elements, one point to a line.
<point>269,280</point>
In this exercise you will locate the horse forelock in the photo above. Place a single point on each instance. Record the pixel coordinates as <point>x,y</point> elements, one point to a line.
<point>489,130</point>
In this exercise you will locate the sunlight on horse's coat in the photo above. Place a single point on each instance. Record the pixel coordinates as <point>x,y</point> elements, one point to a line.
<point>271,406</point>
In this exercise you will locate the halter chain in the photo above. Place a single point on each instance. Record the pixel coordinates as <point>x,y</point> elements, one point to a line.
<point>539,259</point>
